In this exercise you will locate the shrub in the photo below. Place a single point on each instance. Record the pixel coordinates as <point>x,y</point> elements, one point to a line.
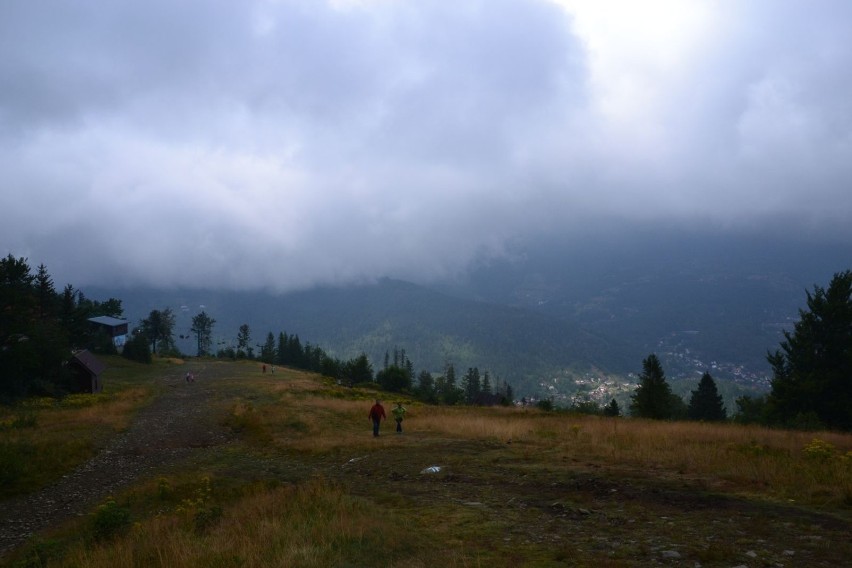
<point>25,420</point>
<point>110,520</point>
<point>12,462</point>
<point>137,349</point>
<point>819,450</point>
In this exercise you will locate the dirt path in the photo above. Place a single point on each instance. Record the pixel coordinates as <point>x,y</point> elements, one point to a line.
<point>170,429</point>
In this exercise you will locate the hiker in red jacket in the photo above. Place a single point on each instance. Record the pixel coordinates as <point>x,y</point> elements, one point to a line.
<point>377,412</point>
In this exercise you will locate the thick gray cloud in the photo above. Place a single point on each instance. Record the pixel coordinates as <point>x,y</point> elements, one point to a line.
<point>285,143</point>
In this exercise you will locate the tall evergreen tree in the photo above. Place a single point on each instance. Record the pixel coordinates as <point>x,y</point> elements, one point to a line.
<point>706,402</point>
<point>450,393</point>
<point>394,379</point>
<point>471,385</point>
<point>48,305</point>
<point>426,386</point>
<point>653,396</point>
<point>281,351</point>
<point>296,354</point>
<point>612,409</point>
<point>243,341</point>
<point>486,383</point>
<point>509,395</point>
<point>359,369</point>
<point>812,372</point>
<point>35,342</point>
<point>267,351</point>
<point>202,327</point>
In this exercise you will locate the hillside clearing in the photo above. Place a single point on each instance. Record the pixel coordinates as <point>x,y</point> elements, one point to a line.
<point>247,469</point>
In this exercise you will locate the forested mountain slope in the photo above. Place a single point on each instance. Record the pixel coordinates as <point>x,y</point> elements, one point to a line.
<point>433,328</point>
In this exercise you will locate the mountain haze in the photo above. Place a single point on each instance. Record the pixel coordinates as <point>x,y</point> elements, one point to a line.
<point>547,309</point>
<point>514,344</point>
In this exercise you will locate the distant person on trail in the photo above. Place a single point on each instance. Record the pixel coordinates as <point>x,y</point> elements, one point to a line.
<point>377,412</point>
<point>398,415</point>
<point>264,367</point>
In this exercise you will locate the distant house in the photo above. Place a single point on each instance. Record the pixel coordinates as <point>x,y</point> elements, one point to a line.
<point>115,328</point>
<point>86,370</point>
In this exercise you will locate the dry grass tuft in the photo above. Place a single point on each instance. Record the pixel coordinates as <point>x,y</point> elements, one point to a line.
<point>313,524</point>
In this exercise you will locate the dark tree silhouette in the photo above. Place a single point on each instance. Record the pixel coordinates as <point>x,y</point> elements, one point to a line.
<point>653,397</point>
<point>202,327</point>
<point>612,409</point>
<point>706,402</point>
<point>812,372</point>
<point>158,327</point>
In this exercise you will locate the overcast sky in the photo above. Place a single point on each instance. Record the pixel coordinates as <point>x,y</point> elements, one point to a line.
<point>279,144</point>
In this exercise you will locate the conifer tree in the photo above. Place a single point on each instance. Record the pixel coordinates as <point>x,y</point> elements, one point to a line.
<point>471,385</point>
<point>812,372</point>
<point>612,409</point>
<point>243,340</point>
<point>653,396</point>
<point>450,393</point>
<point>359,369</point>
<point>267,351</point>
<point>486,383</point>
<point>706,402</point>
<point>426,386</point>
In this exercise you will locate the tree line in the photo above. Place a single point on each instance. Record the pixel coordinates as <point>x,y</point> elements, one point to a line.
<point>40,327</point>
<point>156,335</point>
<point>811,385</point>
<point>396,375</point>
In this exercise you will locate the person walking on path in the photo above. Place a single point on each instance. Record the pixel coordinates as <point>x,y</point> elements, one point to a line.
<point>377,412</point>
<point>398,415</point>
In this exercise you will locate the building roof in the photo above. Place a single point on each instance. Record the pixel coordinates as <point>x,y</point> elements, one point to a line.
<point>107,320</point>
<point>90,362</point>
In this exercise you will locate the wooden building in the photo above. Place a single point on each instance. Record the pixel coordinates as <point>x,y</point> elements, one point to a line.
<point>87,370</point>
<point>115,328</point>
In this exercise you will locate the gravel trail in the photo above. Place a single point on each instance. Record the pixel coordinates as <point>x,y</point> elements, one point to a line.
<point>171,428</point>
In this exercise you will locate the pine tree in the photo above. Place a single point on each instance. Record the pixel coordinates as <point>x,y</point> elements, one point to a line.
<point>706,402</point>
<point>426,386</point>
<point>653,396</point>
<point>359,369</point>
<point>267,352</point>
<point>812,372</point>
<point>450,393</point>
<point>486,383</point>
<point>612,409</point>
<point>471,385</point>
<point>243,340</point>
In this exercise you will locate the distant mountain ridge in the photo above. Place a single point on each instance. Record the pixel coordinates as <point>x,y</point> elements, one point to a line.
<point>513,344</point>
<point>549,309</point>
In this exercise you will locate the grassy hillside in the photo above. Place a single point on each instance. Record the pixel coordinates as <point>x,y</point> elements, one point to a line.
<point>303,483</point>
